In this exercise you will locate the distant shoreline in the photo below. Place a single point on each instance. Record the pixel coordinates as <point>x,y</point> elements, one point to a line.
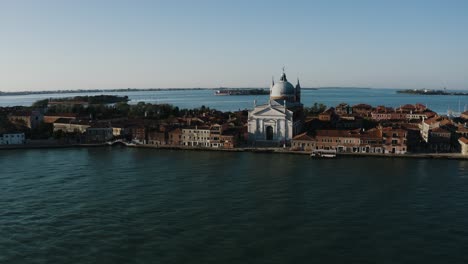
<point>80,91</point>
<point>99,91</point>
<point>453,156</point>
<point>431,92</point>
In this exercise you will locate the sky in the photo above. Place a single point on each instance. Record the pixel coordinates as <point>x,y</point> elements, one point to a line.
<point>89,44</point>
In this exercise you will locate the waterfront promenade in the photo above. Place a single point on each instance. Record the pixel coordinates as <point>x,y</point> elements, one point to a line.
<point>455,156</point>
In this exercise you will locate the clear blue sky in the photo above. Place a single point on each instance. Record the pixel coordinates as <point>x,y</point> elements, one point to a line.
<point>81,44</point>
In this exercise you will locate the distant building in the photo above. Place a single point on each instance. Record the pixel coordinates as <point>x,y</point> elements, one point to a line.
<point>427,125</point>
<point>99,133</point>
<point>362,109</point>
<point>278,121</point>
<point>328,115</point>
<point>196,136</point>
<point>68,125</point>
<point>343,109</point>
<point>30,119</point>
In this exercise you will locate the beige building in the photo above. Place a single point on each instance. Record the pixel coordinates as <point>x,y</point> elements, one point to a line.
<point>70,125</point>
<point>196,137</point>
<point>303,142</point>
<point>464,145</point>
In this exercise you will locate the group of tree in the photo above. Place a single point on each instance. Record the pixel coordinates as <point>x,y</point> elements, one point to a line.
<point>315,109</point>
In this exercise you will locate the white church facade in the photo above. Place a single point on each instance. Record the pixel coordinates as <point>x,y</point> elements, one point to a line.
<point>278,121</point>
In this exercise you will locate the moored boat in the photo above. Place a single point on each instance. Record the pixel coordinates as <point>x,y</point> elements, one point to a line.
<point>323,153</point>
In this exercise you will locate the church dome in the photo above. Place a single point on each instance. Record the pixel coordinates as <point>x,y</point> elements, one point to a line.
<point>282,89</point>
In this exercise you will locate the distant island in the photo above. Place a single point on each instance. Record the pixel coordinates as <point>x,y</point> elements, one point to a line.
<point>430,92</point>
<point>82,101</point>
<point>248,91</point>
<point>232,91</point>
<point>99,91</point>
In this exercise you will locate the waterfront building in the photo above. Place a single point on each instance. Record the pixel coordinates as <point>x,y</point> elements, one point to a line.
<point>215,133</point>
<point>303,142</point>
<point>371,141</point>
<point>100,132</point>
<point>137,133</point>
<point>440,140</point>
<point>427,125</point>
<point>228,140</point>
<point>339,140</point>
<point>377,140</point>
<point>463,145</point>
<point>157,138</point>
<point>280,119</point>
<point>69,125</point>
<point>394,140</point>
<point>174,137</point>
<point>196,136</point>
<point>12,139</point>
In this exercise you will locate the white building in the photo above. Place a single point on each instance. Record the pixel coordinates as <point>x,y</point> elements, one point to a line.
<point>12,139</point>
<point>464,145</point>
<point>278,121</point>
<point>196,137</point>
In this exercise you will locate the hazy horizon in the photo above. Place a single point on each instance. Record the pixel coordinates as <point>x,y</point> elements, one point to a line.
<point>71,45</point>
<point>214,88</point>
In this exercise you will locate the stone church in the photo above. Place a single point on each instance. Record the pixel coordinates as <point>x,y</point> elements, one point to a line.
<point>278,121</point>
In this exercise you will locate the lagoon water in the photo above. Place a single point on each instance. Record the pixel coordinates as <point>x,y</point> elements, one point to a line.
<point>124,205</point>
<point>328,96</point>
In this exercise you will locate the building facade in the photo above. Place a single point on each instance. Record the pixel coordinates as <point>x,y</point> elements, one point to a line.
<point>278,121</point>
<point>196,137</point>
<point>12,139</point>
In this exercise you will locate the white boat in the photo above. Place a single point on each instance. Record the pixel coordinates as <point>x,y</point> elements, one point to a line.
<point>323,153</point>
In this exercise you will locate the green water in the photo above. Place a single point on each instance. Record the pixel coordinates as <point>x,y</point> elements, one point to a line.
<point>120,205</point>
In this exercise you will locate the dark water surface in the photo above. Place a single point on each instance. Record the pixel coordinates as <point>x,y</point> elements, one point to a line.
<point>118,205</point>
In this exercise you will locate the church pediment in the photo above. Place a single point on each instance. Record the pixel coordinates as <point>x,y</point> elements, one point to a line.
<point>270,111</point>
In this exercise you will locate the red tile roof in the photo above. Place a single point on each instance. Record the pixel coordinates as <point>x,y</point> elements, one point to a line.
<point>304,136</point>
<point>337,133</point>
<point>439,130</point>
